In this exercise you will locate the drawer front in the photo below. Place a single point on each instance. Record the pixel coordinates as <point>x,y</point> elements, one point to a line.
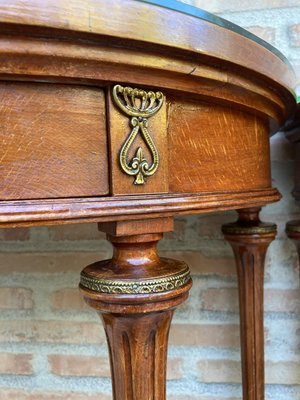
<point>53,141</point>
<point>220,148</point>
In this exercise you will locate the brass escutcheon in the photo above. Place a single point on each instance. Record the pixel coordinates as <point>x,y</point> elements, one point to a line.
<point>139,105</point>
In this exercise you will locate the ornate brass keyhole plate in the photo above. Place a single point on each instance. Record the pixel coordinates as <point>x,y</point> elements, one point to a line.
<point>140,106</point>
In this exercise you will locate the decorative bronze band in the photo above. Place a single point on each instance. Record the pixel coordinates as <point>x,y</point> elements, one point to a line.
<point>261,229</point>
<point>135,287</point>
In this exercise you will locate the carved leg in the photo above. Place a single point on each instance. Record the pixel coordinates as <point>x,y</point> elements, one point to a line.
<point>250,239</point>
<point>135,293</point>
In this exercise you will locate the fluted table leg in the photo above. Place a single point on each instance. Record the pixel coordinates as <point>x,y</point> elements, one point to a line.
<point>250,238</point>
<point>135,294</point>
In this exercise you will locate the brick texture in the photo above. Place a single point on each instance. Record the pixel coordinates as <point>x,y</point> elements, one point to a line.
<point>266,33</point>
<point>294,35</point>
<point>15,364</point>
<point>15,298</point>
<point>296,66</point>
<point>89,366</point>
<point>241,5</point>
<point>219,371</point>
<point>228,371</point>
<point>10,394</point>
<point>276,300</point>
<point>204,335</point>
<point>68,298</point>
<point>201,265</point>
<point>69,332</point>
<point>185,397</point>
<point>20,234</point>
<point>68,365</point>
<point>75,232</point>
<point>46,262</point>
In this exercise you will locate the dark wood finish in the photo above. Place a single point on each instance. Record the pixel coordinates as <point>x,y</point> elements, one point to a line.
<point>194,75</point>
<point>137,324</point>
<point>120,208</point>
<point>124,228</point>
<point>149,26</point>
<point>53,141</point>
<point>205,76</point>
<point>61,138</point>
<point>211,160</point>
<point>250,238</point>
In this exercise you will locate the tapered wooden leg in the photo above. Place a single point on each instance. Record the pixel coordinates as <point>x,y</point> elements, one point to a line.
<point>250,238</point>
<point>135,293</point>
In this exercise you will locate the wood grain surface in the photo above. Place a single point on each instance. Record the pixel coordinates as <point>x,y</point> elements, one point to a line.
<point>127,208</point>
<point>146,25</point>
<point>137,325</point>
<point>216,148</point>
<point>250,238</point>
<point>195,76</point>
<point>52,141</point>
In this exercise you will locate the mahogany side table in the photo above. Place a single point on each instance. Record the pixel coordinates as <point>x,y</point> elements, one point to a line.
<point>127,113</point>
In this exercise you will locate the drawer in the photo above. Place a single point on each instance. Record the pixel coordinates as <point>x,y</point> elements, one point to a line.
<point>221,148</point>
<point>53,141</point>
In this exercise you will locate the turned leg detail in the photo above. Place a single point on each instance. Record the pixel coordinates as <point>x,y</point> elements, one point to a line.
<point>250,238</point>
<point>135,294</point>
